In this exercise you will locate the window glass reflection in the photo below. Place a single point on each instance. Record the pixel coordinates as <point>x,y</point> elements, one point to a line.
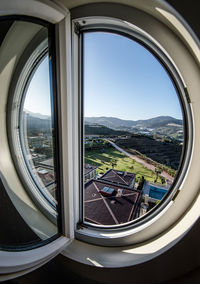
<point>29,215</point>
<point>37,130</point>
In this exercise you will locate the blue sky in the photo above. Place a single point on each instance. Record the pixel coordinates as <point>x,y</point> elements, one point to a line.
<point>37,98</point>
<point>123,79</point>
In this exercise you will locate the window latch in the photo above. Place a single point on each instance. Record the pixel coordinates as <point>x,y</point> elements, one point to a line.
<point>77,27</point>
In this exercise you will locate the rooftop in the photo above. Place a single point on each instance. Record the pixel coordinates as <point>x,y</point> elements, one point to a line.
<point>115,208</point>
<point>49,163</point>
<point>88,168</point>
<point>119,177</point>
<point>46,176</point>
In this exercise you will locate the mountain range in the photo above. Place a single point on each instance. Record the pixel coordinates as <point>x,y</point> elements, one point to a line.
<point>36,122</point>
<point>161,125</point>
<point>113,122</point>
<point>37,115</point>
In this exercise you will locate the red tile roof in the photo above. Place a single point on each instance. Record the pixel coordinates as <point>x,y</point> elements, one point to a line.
<point>119,177</point>
<point>109,210</point>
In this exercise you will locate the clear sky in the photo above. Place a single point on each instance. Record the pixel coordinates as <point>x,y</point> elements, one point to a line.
<point>37,98</point>
<point>123,79</point>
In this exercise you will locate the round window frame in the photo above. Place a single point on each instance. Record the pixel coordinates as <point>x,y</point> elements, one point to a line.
<point>17,263</point>
<point>150,45</point>
<point>163,240</point>
<point>125,234</point>
<point>24,72</point>
<point>36,64</point>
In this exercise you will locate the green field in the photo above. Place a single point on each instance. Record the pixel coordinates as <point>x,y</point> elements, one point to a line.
<point>112,158</point>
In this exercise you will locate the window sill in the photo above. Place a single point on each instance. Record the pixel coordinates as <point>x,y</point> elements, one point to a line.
<point>123,256</point>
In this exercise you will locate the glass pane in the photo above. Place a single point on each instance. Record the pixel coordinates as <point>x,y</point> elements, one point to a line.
<point>37,132</point>
<point>133,129</point>
<point>28,182</point>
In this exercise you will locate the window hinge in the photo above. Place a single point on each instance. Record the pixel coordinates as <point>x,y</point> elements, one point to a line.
<point>77,27</point>
<point>176,194</point>
<point>187,95</point>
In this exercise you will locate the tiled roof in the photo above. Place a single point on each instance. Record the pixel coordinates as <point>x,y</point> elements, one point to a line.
<point>118,177</point>
<point>110,210</point>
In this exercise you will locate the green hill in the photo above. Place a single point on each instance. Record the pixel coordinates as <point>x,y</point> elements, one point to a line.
<point>95,129</point>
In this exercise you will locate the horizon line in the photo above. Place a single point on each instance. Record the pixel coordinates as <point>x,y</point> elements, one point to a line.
<point>25,110</point>
<point>132,119</point>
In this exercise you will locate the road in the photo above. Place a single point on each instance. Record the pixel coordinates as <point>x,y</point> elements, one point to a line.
<point>141,161</point>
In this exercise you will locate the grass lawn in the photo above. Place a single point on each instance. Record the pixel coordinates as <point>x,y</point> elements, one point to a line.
<point>122,163</point>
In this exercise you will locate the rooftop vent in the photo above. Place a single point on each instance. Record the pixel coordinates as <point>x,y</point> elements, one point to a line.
<point>119,192</point>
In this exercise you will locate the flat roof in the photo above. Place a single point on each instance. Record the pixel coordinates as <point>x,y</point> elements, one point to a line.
<point>43,171</point>
<point>119,177</point>
<point>48,162</point>
<point>88,168</point>
<point>109,210</point>
<point>46,176</point>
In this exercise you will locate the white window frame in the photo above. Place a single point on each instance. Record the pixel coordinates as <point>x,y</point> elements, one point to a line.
<point>162,23</point>
<point>16,263</point>
<point>119,27</point>
<point>170,225</point>
<point>24,75</point>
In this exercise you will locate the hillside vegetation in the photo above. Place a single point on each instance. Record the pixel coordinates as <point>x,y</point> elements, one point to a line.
<point>162,125</point>
<point>103,130</point>
<point>168,154</point>
<point>111,158</point>
<point>114,122</point>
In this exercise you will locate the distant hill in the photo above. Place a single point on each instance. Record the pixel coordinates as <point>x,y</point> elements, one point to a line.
<point>161,125</point>
<point>166,153</point>
<point>37,123</point>
<point>114,122</point>
<point>95,129</point>
<point>37,115</point>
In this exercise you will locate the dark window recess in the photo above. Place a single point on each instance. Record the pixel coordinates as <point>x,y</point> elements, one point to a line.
<point>14,230</point>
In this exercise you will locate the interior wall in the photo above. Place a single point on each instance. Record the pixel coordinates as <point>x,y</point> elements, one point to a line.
<point>179,265</point>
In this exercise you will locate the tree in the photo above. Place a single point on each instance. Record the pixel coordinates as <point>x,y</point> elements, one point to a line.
<point>113,163</point>
<point>158,171</point>
<point>92,145</point>
<point>163,180</point>
<point>141,183</point>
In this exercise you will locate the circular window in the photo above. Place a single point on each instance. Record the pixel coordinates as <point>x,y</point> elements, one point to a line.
<point>36,129</point>
<point>136,132</point>
<point>147,230</point>
<point>31,125</point>
<point>134,129</point>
